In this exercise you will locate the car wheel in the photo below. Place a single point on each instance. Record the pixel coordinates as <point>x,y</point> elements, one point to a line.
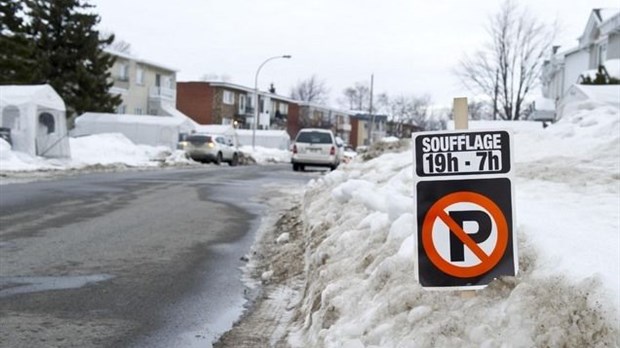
<point>218,159</point>
<point>302,167</point>
<point>234,161</point>
<point>295,167</point>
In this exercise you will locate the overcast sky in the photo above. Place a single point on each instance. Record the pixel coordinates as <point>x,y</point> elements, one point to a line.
<point>411,46</point>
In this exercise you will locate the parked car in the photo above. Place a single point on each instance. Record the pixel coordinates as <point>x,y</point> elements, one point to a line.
<point>315,147</point>
<point>210,148</point>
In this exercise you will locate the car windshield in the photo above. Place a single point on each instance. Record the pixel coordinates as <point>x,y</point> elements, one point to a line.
<point>199,138</point>
<point>314,138</point>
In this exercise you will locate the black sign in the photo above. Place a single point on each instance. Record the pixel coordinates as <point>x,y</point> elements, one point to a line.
<point>465,153</point>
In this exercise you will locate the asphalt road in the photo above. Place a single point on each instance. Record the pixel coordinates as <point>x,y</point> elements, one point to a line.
<point>131,259</point>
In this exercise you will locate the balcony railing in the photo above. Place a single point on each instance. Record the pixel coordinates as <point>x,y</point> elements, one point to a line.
<point>162,92</point>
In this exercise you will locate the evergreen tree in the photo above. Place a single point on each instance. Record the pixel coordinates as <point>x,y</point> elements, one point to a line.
<point>17,63</point>
<point>67,52</point>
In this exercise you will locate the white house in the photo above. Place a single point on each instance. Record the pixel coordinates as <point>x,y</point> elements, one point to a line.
<point>599,44</point>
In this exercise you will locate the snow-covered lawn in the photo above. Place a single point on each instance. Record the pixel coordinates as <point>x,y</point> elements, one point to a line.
<point>360,289</point>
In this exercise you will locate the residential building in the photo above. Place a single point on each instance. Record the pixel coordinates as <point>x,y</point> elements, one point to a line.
<point>598,45</point>
<point>319,116</point>
<point>214,102</point>
<point>360,129</point>
<point>146,88</point>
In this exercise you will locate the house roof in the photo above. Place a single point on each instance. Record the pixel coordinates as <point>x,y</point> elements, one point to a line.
<point>139,60</point>
<point>597,17</point>
<point>248,90</point>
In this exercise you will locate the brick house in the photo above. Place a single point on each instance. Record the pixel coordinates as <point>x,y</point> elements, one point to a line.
<point>208,102</point>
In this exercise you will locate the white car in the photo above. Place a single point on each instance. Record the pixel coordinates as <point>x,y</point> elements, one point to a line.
<point>210,148</point>
<point>315,147</point>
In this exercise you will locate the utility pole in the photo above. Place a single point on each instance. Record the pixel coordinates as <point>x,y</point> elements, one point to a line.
<point>371,115</point>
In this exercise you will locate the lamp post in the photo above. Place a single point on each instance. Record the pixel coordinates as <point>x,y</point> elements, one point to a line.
<point>255,123</point>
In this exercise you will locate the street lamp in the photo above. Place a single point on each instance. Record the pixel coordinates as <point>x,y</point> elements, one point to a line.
<point>255,123</point>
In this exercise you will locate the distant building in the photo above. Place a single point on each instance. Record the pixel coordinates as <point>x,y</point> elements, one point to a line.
<point>210,102</point>
<point>360,127</point>
<point>598,45</point>
<point>215,102</point>
<point>146,88</point>
<point>320,116</point>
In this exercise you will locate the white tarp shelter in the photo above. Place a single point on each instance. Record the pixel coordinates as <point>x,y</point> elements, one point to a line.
<point>601,94</point>
<point>36,116</point>
<point>272,139</point>
<point>140,129</point>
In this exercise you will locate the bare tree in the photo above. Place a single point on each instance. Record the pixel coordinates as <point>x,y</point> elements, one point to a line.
<point>311,90</point>
<point>409,111</point>
<point>357,97</point>
<point>118,45</point>
<point>509,67</point>
<point>215,77</point>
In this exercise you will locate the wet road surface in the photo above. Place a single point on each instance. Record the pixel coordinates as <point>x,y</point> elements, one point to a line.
<point>132,259</point>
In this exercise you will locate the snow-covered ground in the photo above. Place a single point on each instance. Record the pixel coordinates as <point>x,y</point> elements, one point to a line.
<point>114,152</point>
<point>358,235</point>
<point>360,289</point>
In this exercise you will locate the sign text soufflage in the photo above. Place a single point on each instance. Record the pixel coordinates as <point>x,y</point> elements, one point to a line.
<point>462,142</point>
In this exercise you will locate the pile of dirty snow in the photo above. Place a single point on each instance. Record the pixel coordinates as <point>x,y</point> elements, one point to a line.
<point>359,263</point>
<point>264,155</point>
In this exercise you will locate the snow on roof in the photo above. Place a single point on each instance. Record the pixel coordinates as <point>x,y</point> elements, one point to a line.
<point>43,95</point>
<point>126,118</point>
<point>613,67</point>
<point>609,94</point>
<point>139,60</point>
<point>225,84</point>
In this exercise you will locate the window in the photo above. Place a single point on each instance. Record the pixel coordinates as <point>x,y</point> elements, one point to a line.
<point>139,75</point>
<point>138,111</point>
<point>123,73</point>
<point>229,98</point>
<point>121,109</point>
<point>10,117</point>
<point>241,103</point>
<point>47,120</point>
<point>602,53</point>
<point>283,108</point>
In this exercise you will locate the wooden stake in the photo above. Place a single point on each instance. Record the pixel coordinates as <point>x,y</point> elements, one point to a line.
<point>461,122</point>
<point>460,113</point>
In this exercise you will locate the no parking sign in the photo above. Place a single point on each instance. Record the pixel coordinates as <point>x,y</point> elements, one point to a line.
<point>464,208</point>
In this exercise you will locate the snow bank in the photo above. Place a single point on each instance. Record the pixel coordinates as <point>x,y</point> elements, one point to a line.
<point>107,150</point>
<point>264,155</point>
<point>359,228</point>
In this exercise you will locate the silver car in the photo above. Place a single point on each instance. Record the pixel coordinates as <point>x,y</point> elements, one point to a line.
<point>315,147</point>
<point>210,148</point>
